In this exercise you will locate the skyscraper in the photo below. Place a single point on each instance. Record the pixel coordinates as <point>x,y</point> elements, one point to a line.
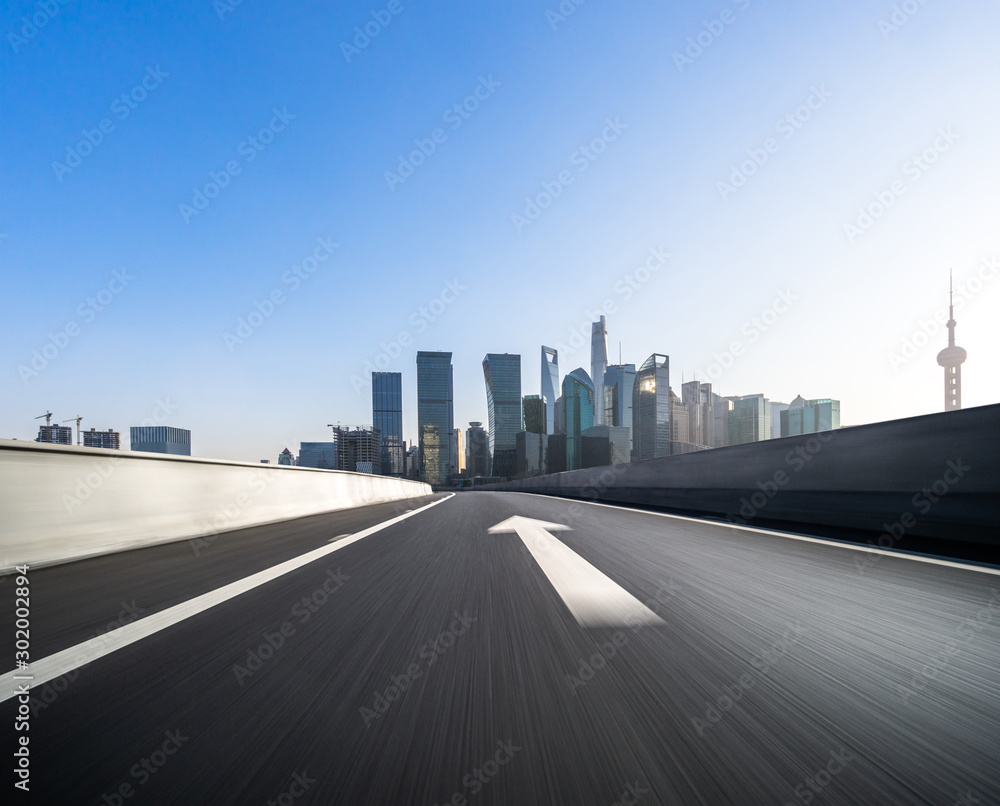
<point>321,455</point>
<point>809,416</point>
<point>578,414</point>
<point>651,409</point>
<point>435,415</point>
<point>952,358</point>
<point>598,364</point>
<point>750,419</point>
<point>700,404</point>
<point>502,373</point>
<point>619,384</point>
<point>387,417</point>
<point>550,385</point>
<point>478,451</point>
<point>534,414</point>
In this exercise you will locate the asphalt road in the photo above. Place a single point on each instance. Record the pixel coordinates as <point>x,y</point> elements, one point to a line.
<point>435,662</point>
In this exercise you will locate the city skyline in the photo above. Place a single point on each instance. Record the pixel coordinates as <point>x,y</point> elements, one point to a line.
<point>193,232</point>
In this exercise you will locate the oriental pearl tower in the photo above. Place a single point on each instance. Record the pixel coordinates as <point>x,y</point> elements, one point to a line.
<point>952,358</point>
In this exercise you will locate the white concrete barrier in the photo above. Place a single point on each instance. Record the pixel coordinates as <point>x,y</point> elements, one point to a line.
<point>61,503</point>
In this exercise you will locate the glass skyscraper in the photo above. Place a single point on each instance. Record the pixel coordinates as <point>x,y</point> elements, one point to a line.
<point>435,415</point>
<point>550,385</point>
<point>534,414</point>
<point>598,364</point>
<point>578,414</point>
<point>502,372</point>
<point>387,417</point>
<point>750,419</point>
<point>651,409</point>
<point>619,382</point>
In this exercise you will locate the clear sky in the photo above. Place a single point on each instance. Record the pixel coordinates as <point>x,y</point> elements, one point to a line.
<point>742,138</point>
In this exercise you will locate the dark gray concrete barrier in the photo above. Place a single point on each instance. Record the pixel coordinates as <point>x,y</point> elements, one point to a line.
<point>935,476</point>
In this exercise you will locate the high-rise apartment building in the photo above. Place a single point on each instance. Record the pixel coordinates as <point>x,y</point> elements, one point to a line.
<point>160,439</point>
<point>109,439</point>
<point>598,364</point>
<point>651,409</point>
<point>435,415</point>
<point>387,418</point>
<point>578,411</point>
<point>502,373</point>
<point>550,385</point>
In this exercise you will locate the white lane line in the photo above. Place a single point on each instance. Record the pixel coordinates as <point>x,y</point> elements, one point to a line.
<point>594,599</point>
<point>866,548</point>
<point>48,668</point>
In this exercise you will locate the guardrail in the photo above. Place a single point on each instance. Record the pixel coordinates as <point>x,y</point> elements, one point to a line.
<point>61,503</point>
<point>935,476</point>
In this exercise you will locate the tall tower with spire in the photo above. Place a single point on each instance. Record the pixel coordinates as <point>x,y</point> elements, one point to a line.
<point>952,358</point>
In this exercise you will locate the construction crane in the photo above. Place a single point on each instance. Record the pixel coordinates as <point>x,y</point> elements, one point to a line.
<point>77,421</point>
<point>48,419</point>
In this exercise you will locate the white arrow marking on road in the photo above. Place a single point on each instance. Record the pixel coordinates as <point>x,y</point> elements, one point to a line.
<point>594,599</point>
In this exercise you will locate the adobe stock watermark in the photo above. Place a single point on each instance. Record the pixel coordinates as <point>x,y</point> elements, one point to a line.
<point>935,663</point>
<point>121,108</point>
<point>228,514</point>
<point>474,782</point>
<point>814,784</point>
<point>429,652</point>
<point>47,694</point>
<point>900,15</point>
<point>581,159</point>
<point>32,24</point>
<point>144,769</point>
<point>303,610</point>
<point>86,312</point>
<point>224,7</point>
<point>913,170</point>
<point>762,663</point>
<point>264,309</point>
<point>558,15</point>
<point>454,117</point>
<point>923,502</point>
<point>787,127</point>
<point>625,288</point>
<point>249,149</point>
<point>301,782</point>
<point>707,36</point>
<point>364,34</point>
<point>101,469</point>
<point>587,668</point>
<point>922,335</point>
<point>419,321</point>
<point>752,330</point>
<point>631,794</point>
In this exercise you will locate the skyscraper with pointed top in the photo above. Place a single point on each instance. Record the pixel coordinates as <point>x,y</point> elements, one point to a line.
<point>598,364</point>
<point>952,358</point>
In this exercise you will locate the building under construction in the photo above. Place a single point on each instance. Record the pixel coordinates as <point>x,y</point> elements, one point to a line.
<point>56,434</point>
<point>102,439</point>
<point>358,448</point>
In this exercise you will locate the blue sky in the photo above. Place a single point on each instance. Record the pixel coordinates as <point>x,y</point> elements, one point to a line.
<point>599,138</point>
